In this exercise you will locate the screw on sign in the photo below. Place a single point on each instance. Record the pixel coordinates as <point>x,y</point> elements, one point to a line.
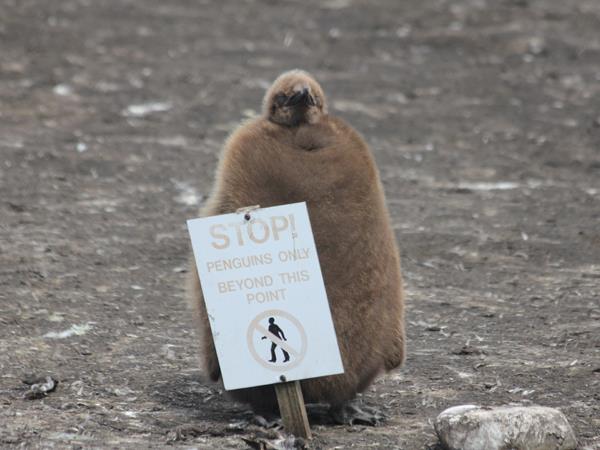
<point>284,332</point>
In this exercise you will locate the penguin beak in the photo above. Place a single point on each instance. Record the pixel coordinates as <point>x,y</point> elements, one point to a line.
<point>302,97</point>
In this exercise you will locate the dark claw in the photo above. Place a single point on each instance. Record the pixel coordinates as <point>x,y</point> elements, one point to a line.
<point>353,414</point>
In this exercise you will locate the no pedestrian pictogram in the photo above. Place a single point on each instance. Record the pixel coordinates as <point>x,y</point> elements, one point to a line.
<point>277,340</point>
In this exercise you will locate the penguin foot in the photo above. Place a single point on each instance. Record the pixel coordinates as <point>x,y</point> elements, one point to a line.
<point>354,413</point>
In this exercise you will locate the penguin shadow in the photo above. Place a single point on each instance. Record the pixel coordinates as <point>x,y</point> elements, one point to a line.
<point>206,402</point>
<point>200,399</point>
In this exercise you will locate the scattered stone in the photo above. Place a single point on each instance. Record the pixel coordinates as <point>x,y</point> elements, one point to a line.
<point>120,392</point>
<point>138,321</point>
<point>167,352</point>
<point>40,389</point>
<point>262,441</point>
<point>537,46</point>
<point>590,275</point>
<point>75,330</point>
<point>471,427</point>
<point>62,90</point>
<point>267,422</point>
<point>145,109</point>
<point>185,432</point>
<point>187,194</point>
<point>468,350</point>
<point>77,388</point>
<point>16,207</point>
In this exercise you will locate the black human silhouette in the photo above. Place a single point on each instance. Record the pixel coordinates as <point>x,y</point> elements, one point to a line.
<point>277,332</point>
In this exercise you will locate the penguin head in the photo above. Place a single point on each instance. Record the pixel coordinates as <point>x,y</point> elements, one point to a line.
<point>294,99</point>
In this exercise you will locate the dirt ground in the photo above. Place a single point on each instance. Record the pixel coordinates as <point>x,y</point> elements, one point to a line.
<point>484,118</point>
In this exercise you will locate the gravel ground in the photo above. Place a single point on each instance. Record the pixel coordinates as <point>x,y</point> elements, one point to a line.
<point>484,118</point>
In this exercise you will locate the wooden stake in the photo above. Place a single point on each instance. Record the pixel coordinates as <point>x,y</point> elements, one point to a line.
<point>292,409</point>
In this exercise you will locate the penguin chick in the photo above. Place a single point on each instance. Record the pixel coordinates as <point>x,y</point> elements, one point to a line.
<point>297,152</point>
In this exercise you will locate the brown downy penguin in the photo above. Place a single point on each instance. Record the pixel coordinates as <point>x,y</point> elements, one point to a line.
<point>297,152</point>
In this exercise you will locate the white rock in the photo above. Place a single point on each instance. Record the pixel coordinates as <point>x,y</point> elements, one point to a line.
<point>144,109</point>
<point>471,427</point>
<point>62,90</point>
<point>75,330</point>
<point>187,194</point>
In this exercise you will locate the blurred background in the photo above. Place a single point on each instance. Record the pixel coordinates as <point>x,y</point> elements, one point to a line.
<point>484,119</point>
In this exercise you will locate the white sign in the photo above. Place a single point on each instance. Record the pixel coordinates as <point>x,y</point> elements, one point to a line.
<point>265,296</point>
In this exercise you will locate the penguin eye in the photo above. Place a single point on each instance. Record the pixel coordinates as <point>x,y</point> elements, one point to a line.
<point>280,99</point>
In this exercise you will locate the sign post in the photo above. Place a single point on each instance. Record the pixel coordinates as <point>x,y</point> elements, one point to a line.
<point>292,409</point>
<point>266,302</point>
